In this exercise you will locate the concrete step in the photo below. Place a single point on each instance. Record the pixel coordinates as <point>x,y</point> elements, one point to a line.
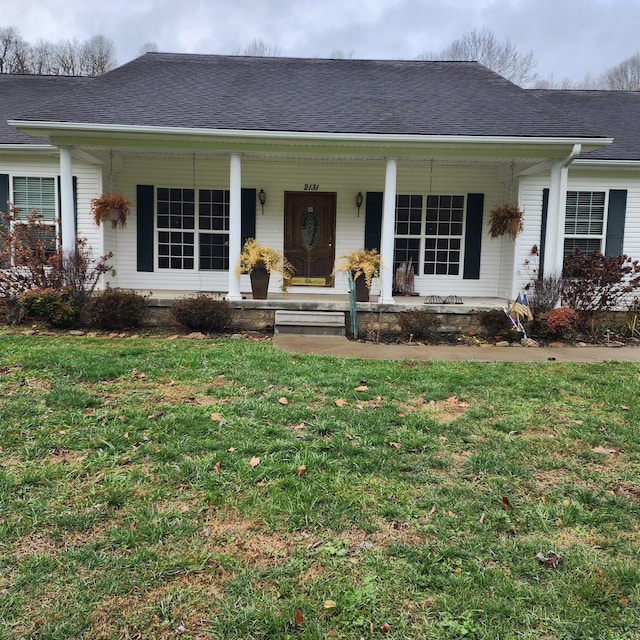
<point>319,323</point>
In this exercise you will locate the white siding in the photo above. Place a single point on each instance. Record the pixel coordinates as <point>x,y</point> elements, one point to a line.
<point>580,179</point>
<point>89,183</point>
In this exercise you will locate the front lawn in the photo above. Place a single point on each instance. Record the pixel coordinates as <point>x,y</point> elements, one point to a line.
<point>157,488</point>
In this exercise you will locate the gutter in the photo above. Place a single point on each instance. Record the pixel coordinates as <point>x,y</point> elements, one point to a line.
<point>39,126</point>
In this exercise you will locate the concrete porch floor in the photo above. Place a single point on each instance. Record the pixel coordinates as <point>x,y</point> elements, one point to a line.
<point>339,302</point>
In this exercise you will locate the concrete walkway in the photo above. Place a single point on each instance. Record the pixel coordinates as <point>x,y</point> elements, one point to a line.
<point>343,348</point>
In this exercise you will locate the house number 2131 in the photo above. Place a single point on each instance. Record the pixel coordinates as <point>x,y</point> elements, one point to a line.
<point>311,187</point>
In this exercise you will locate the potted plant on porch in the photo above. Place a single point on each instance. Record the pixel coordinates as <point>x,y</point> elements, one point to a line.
<point>111,206</point>
<point>259,260</point>
<point>364,265</point>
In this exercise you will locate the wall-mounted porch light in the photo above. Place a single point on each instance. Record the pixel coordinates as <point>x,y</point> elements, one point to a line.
<point>359,199</point>
<point>262,196</point>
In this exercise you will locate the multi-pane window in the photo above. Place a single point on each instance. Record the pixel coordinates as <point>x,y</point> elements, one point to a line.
<point>584,221</point>
<point>443,235</point>
<point>181,217</point>
<point>36,196</point>
<point>408,230</point>
<point>176,224</point>
<point>213,222</point>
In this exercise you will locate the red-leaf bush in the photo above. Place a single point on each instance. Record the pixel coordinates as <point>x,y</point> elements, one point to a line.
<point>561,322</point>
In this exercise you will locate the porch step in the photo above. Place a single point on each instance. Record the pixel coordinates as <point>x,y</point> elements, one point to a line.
<point>319,323</point>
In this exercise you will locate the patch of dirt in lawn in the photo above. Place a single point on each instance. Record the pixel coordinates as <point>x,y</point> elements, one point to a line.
<point>246,540</point>
<point>627,490</point>
<point>192,599</point>
<point>443,411</point>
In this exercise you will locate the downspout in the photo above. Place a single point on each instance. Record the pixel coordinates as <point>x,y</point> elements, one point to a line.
<point>554,241</point>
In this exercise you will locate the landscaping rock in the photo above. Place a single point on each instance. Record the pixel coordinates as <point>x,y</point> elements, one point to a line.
<point>503,343</point>
<point>529,342</point>
<point>76,332</point>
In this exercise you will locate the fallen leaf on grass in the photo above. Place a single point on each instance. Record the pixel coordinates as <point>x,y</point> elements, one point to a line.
<point>506,505</point>
<point>302,469</point>
<point>604,450</point>
<point>298,427</point>
<point>624,407</point>
<point>254,462</point>
<point>329,604</point>
<point>125,461</point>
<point>216,467</point>
<point>231,449</point>
<point>298,618</point>
<point>395,445</point>
<point>340,402</point>
<point>559,522</point>
<point>362,387</point>
<point>385,628</point>
<point>216,417</point>
<point>551,560</point>
<point>283,401</point>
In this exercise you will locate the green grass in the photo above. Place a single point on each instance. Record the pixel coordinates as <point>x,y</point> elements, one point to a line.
<point>412,508</point>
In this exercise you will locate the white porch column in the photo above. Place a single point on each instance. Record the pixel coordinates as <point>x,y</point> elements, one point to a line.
<point>556,213</point>
<point>67,214</point>
<point>235,224</point>
<point>388,229</point>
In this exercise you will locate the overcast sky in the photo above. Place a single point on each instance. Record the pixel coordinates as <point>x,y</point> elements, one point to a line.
<point>569,38</point>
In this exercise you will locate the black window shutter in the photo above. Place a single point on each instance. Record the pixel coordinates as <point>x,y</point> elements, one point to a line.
<point>473,236</point>
<point>543,232</point>
<point>248,214</point>
<point>4,210</point>
<point>145,208</point>
<point>373,220</point>
<point>615,222</point>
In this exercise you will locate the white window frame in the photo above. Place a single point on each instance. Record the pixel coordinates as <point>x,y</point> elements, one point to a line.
<point>197,232</point>
<point>52,216</point>
<point>576,236</point>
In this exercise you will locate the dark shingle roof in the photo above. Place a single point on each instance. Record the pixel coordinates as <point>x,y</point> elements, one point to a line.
<point>22,92</point>
<point>311,95</point>
<point>616,111</point>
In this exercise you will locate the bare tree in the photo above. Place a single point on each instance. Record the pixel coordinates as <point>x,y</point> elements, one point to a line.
<point>625,76</point>
<point>484,47</point>
<point>42,58</point>
<point>97,56</point>
<point>13,51</point>
<point>68,57</point>
<point>148,47</point>
<point>339,54</point>
<point>261,49</point>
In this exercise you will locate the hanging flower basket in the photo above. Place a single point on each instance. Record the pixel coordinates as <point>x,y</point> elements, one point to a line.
<point>111,206</point>
<point>506,219</point>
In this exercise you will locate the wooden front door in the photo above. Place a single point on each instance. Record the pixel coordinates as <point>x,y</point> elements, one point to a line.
<point>309,236</point>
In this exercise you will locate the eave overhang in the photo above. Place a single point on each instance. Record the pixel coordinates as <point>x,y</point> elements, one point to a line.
<point>149,138</point>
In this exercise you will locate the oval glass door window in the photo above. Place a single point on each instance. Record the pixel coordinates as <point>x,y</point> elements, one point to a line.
<point>309,228</point>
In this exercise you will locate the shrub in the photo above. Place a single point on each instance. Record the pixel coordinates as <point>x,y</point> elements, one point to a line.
<point>53,306</point>
<point>419,323</point>
<point>202,313</point>
<point>596,284</point>
<point>494,322</point>
<point>561,322</point>
<point>31,260</point>
<point>544,293</point>
<point>117,309</point>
